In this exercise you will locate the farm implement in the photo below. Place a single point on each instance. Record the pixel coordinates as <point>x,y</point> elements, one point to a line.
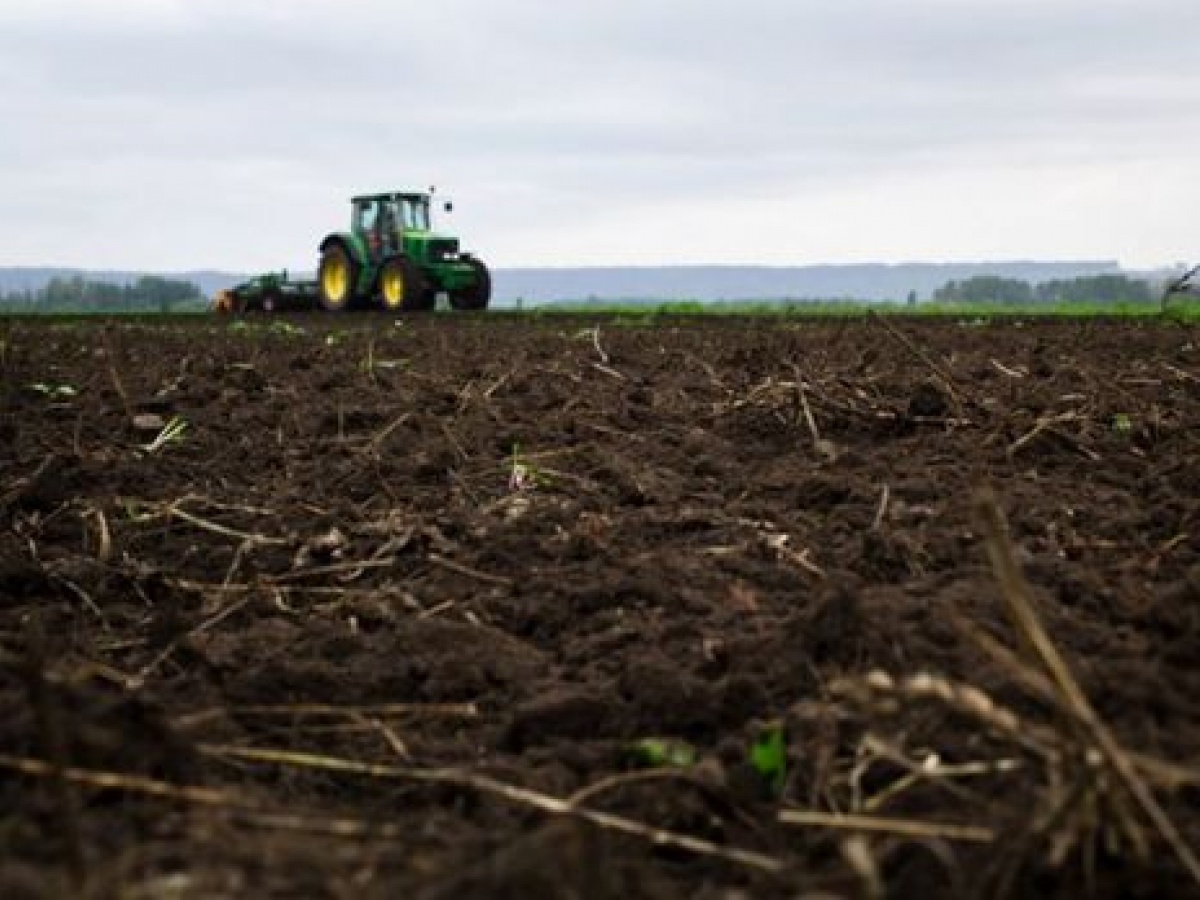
<point>390,259</point>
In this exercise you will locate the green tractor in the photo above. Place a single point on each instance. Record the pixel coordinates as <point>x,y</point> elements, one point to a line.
<point>392,259</point>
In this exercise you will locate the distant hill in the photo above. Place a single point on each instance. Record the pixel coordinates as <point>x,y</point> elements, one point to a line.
<point>533,286</point>
<point>874,281</point>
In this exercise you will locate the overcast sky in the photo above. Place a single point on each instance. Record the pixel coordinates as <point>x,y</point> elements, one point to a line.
<point>178,134</point>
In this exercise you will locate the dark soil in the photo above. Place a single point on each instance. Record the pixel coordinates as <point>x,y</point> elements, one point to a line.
<point>446,577</point>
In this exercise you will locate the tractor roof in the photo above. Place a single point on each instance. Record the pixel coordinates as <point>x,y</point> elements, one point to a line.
<point>393,195</point>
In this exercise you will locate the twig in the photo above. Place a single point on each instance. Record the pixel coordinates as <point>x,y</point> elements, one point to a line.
<point>596,344</point>
<point>877,824</point>
<point>881,511</point>
<point>453,566</point>
<point>104,546</point>
<point>134,784</point>
<point>493,787</point>
<point>136,681</point>
<point>172,510</point>
<point>607,370</point>
<point>353,565</point>
<point>1005,370</point>
<point>323,710</point>
<point>622,779</point>
<point>1043,424</point>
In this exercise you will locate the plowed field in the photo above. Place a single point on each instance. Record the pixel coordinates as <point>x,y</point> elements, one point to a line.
<point>399,608</point>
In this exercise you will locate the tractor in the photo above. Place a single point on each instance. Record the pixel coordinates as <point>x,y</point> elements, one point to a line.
<point>391,259</point>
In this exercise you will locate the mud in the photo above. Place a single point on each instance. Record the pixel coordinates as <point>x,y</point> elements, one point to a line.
<point>395,613</point>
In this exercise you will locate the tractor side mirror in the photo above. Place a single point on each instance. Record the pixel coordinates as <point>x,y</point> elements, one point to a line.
<point>448,207</point>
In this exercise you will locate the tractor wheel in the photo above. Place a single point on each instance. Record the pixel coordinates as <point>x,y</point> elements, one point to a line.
<point>336,277</point>
<point>402,287</point>
<point>477,294</point>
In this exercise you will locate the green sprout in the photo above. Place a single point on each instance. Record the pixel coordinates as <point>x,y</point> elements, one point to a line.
<point>172,433</point>
<point>662,753</point>
<point>54,391</point>
<point>1122,424</point>
<point>135,510</point>
<point>768,756</point>
<point>522,474</point>
<point>286,329</point>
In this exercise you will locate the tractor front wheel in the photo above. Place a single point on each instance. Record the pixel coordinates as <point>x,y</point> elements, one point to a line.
<point>477,294</point>
<point>336,277</point>
<point>402,287</point>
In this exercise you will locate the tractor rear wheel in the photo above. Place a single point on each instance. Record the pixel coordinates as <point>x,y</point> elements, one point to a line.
<point>477,294</point>
<point>336,277</point>
<point>402,287</point>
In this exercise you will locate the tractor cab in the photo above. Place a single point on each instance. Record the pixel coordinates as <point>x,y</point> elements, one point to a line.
<point>383,219</point>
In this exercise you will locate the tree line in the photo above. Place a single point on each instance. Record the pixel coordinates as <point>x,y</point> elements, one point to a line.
<point>1101,290</point>
<point>149,293</point>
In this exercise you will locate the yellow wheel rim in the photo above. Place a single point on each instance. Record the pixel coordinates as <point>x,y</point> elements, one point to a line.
<point>392,287</point>
<point>335,279</point>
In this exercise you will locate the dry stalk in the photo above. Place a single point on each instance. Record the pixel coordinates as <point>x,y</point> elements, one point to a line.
<point>382,434</point>
<point>929,770</point>
<point>609,371</point>
<point>942,374</point>
<point>881,511</point>
<point>110,356</point>
<point>881,694</point>
<point>856,851</point>
<point>352,567</point>
<point>499,580</point>
<point>493,787</point>
<point>172,510</point>
<point>596,344</point>
<point>104,543</point>
<point>1093,735</point>
<point>132,784</point>
<point>1046,424</point>
<point>357,828</point>
<point>323,710</point>
<point>910,828</point>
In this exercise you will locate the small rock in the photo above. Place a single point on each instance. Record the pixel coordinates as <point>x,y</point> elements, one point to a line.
<point>152,422</point>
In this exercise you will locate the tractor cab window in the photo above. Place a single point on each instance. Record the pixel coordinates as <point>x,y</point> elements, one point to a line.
<point>367,215</point>
<point>414,213</point>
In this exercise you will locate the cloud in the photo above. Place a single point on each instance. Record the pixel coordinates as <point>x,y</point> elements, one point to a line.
<point>230,134</point>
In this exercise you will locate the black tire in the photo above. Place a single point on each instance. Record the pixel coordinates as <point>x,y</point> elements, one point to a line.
<point>477,295</point>
<point>337,276</point>
<point>402,287</point>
